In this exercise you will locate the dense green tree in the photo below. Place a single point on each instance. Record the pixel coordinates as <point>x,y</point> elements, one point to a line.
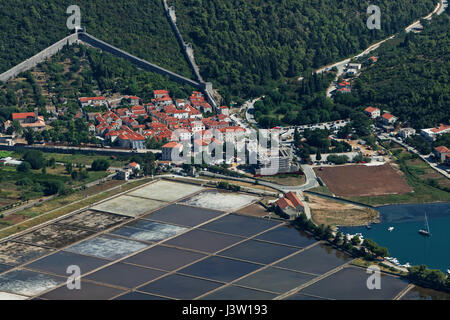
<point>24,167</point>
<point>242,46</point>
<point>100,165</point>
<point>411,76</point>
<point>35,159</point>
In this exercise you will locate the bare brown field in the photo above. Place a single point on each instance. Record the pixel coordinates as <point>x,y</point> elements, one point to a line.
<point>255,210</point>
<point>360,180</point>
<point>329,212</point>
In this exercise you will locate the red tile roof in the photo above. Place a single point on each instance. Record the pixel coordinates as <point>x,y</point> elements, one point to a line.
<point>87,99</point>
<point>283,203</point>
<point>442,149</point>
<point>172,145</point>
<point>294,199</point>
<point>442,127</point>
<point>371,109</point>
<point>22,115</point>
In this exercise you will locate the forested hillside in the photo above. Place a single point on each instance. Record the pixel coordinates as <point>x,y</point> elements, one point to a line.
<point>243,45</point>
<point>411,78</point>
<point>138,26</point>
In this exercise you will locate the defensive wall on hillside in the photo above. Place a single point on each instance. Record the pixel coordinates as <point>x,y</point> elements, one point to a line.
<point>38,58</point>
<point>32,62</point>
<point>145,65</point>
<point>188,52</point>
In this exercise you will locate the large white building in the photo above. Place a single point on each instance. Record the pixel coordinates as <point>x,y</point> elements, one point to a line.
<point>432,133</point>
<point>372,112</point>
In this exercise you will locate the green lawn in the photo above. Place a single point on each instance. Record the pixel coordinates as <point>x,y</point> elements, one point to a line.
<point>78,158</point>
<point>4,154</point>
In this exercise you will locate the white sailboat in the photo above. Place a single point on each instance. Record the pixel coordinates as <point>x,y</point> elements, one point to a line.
<point>426,231</point>
<point>390,229</point>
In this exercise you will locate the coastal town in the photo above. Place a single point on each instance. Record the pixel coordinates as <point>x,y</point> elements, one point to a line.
<point>159,185</point>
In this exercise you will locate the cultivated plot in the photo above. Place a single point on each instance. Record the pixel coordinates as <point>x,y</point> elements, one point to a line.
<point>88,291</point>
<point>205,241</point>
<point>54,236</point>
<point>220,269</point>
<point>351,284</point>
<point>128,206</point>
<point>138,296</point>
<point>419,293</point>
<point>276,280</point>
<point>58,263</point>
<point>288,235</point>
<point>12,296</point>
<point>165,258</point>
<point>4,267</point>
<point>107,247</point>
<point>240,225</point>
<point>258,251</point>
<point>125,275</point>
<point>224,201</point>
<point>148,230</point>
<point>28,283</point>
<point>183,215</point>
<point>15,253</point>
<point>299,296</point>
<point>317,260</point>
<point>180,287</point>
<point>166,191</point>
<point>238,293</point>
<point>93,220</point>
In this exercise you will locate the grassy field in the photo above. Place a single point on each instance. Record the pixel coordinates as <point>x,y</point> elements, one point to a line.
<point>65,204</point>
<point>286,179</point>
<point>364,263</point>
<point>329,212</point>
<point>240,183</point>
<point>4,154</point>
<point>78,158</point>
<point>11,191</point>
<point>322,190</point>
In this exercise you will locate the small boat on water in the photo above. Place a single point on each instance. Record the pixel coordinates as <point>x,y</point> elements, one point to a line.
<point>390,229</point>
<point>406,265</point>
<point>448,271</point>
<point>425,232</point>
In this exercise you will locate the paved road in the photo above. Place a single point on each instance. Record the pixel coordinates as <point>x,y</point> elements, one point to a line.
<point>250,109</point>
<point>311,180</point>
<point>439,9</point>
<point>425,158</point>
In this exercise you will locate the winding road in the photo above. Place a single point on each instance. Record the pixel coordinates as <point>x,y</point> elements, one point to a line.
<point>439,9</point>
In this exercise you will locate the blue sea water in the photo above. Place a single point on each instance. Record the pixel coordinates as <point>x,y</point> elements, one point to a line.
<point>404,242</point>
